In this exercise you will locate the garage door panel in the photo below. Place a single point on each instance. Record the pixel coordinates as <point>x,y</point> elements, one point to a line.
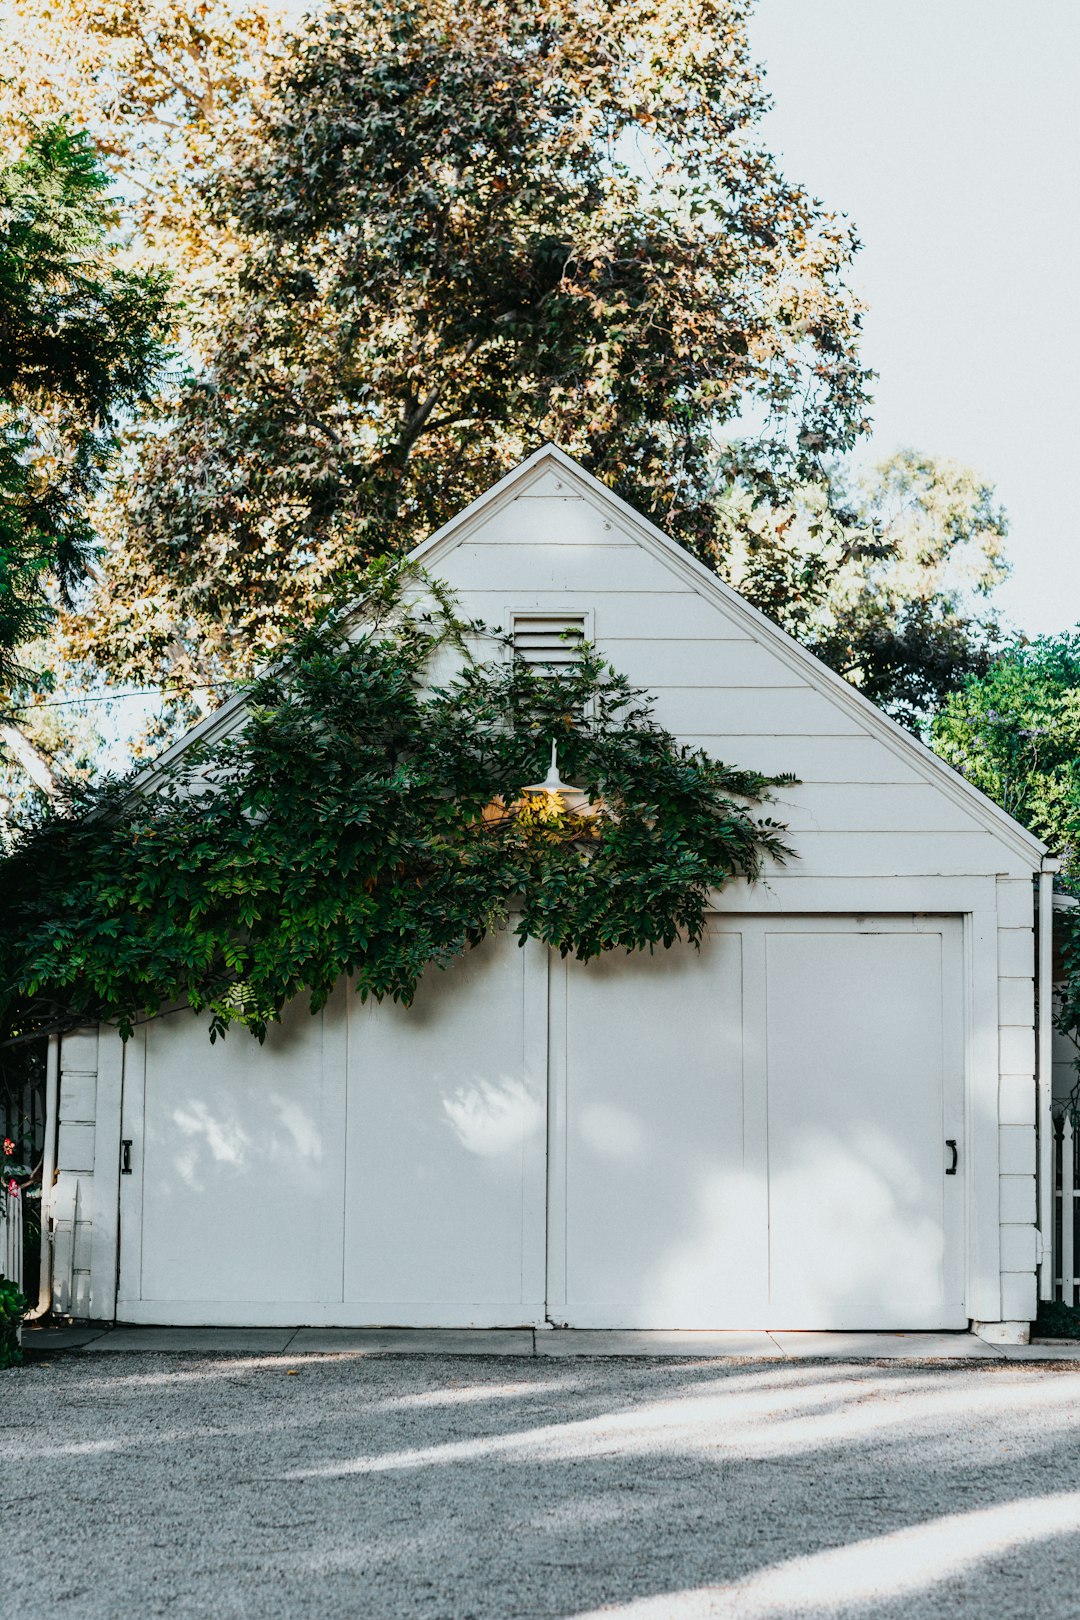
<point>446,1135</point>
<point>754,1136</point>
<point>662,1215</point>
<point>857,1051</point>
<point>238,1163</point>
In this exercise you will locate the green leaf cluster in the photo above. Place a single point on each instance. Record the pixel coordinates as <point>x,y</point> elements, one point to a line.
<point>365,819</point>
<point>13,1307</point>
<point>1015,733</point>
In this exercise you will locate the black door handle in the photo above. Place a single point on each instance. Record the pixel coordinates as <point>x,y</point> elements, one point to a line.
<point>950,1142</point>
<point>125,1156</point>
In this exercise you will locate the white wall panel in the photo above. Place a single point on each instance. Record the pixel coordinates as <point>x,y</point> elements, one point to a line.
<point>1016,903</point>
<point>1017,1050</point>
<point>1017,1002</point>
<point>446,1133</point>
<point>857,760</point>
<point>1017,1195</point>
<point>1018,1296</point>
<point>1016,1094</point>
<point>541,523</point>
<point>864,854</point>
<point>235,1165</point>
<point>1017,1149</point>
<point>1016,953</point>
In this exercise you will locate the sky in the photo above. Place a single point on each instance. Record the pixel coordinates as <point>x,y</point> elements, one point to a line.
<point>949,133</point>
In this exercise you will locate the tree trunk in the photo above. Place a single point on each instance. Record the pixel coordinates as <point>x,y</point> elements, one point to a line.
<point>30,757</point>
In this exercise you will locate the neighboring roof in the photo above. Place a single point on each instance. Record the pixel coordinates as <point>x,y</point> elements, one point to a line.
<point>708,585</point>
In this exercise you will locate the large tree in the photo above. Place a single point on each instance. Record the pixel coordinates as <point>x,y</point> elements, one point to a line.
<point>465,232</point>
<point>412,242</point>
<point>80,344</point>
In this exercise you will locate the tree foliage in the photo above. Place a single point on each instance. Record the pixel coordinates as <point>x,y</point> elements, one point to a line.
<point>361,822</point>
<point>80,342</point>
<point>882,575</point>
<point>1015,733</point>
<point>160,88</point>
<point>413,241</point>
<point>464,233</point>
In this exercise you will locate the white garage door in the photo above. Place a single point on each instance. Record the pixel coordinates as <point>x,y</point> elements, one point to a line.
<point>758,1137</point>
<point>370,1165</point>
<point>752,1135</point>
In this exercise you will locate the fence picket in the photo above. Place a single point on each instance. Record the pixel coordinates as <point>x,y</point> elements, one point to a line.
<point>11,1252</point>
<point>1068,1212</point>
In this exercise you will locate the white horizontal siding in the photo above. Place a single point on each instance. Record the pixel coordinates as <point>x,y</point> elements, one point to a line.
<point>1016,1001</point>
<point>1017,1199</point>
<point>1016,1099</point>
<point>1016,953</point>
<point>556,570</point>
<point>751,711</point>
<point>1017,1047</point>
<point>1016,903</point>
<point>1018,1297</point>
<point>1017,1149</point>
<point>812,759</point>
<point>708,664</point>
<point>864,854</point>
<point>872,807</point>
<point>1017,1253</point>
<point>553,522</point>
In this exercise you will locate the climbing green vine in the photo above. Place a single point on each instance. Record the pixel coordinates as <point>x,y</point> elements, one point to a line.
<point>366,818</point>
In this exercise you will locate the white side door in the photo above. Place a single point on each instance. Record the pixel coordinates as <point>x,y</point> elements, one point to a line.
<point>864,1035</point>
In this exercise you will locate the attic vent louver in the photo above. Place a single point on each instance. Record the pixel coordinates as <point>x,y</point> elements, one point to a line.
<point>548,642</point>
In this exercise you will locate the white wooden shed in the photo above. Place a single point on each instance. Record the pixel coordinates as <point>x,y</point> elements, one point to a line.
<point>824,1119</point>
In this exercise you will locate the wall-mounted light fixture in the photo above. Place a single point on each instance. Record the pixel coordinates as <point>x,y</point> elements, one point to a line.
<point>573,799</point>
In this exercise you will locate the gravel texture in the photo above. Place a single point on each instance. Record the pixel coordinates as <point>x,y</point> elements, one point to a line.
<point>481,1488</point>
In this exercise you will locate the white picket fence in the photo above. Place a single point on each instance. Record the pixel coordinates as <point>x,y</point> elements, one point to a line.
<point>1066,1209</point>
<point>11,1241</point>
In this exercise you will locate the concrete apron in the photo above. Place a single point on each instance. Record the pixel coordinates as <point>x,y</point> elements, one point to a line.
<point>97,1338</point>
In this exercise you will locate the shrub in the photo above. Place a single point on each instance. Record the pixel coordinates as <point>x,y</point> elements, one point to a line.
<point>13,1307</point>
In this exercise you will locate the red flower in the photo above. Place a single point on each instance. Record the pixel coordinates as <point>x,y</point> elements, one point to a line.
<point>9,1147</point>
<point>13,1187</point>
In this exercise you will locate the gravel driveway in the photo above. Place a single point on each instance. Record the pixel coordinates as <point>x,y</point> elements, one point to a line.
<point>450,1487</point>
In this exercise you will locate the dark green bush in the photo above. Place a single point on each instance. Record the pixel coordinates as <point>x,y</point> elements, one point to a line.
<point>13,1307</point>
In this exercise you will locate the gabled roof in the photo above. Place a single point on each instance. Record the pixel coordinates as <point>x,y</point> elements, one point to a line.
<point>700,579</point>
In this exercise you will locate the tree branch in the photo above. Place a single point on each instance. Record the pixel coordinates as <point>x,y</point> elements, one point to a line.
<point>418,419</point>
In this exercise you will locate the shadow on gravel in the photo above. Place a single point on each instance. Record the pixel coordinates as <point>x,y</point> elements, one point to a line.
<point>464,1487</point>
